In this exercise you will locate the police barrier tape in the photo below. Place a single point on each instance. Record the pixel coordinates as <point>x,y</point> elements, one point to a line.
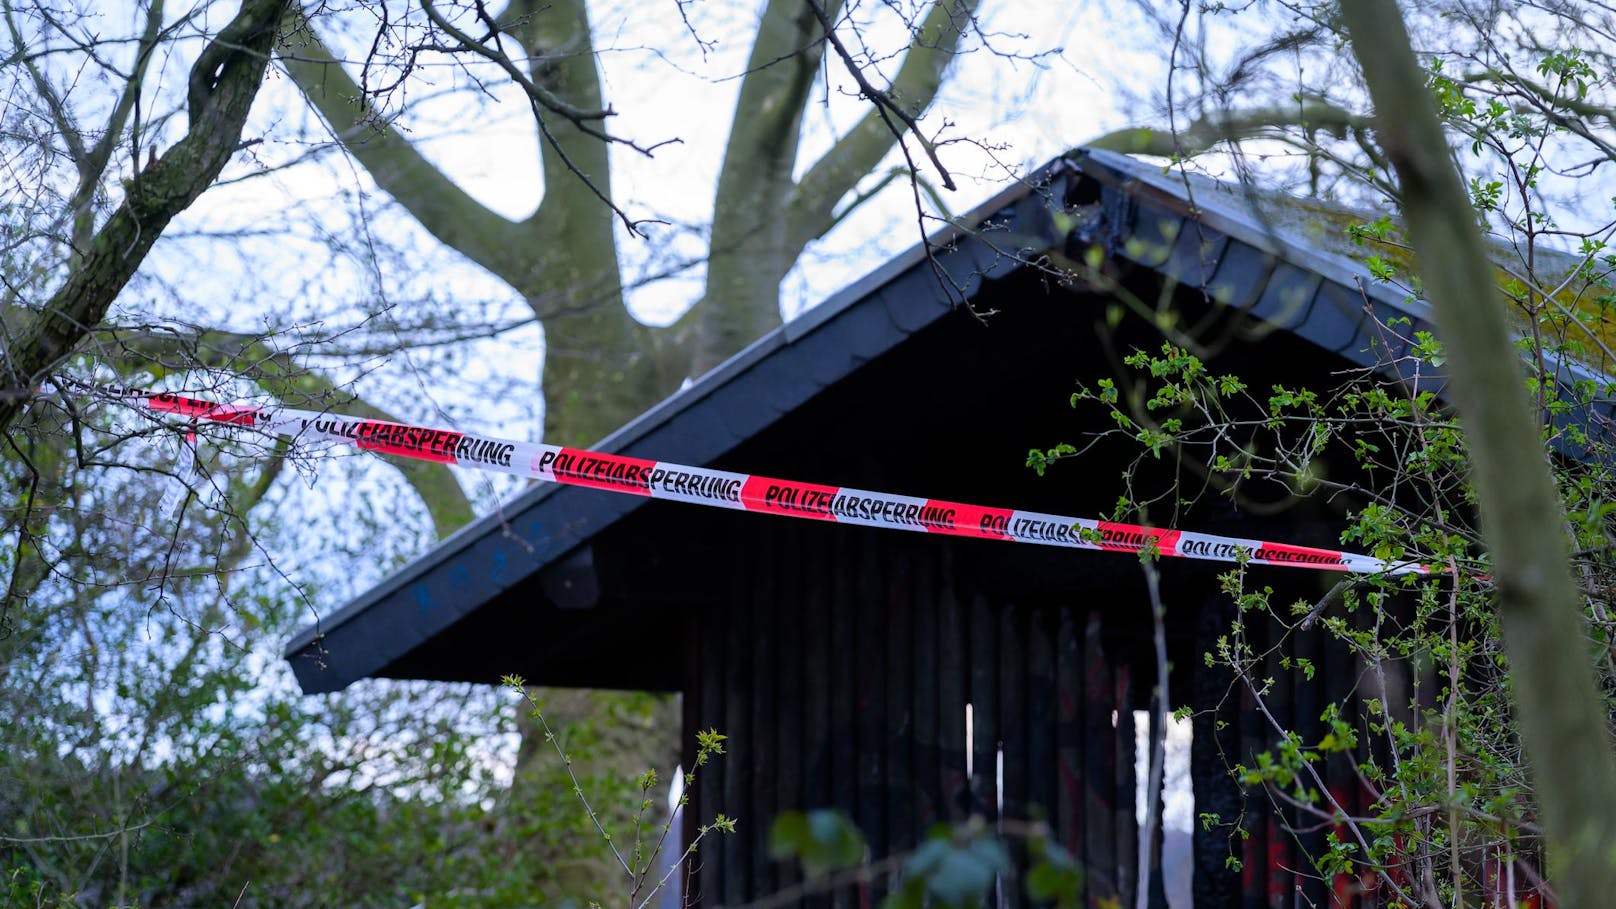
<point>749,492</point>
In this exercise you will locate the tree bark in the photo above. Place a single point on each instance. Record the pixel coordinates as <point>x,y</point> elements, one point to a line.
<point>1563,726</point>
<point>743,262</point>
<point>812,206</point>
<point>598,370</point>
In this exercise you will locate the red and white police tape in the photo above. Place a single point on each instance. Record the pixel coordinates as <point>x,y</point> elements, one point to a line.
<point>749,492</point>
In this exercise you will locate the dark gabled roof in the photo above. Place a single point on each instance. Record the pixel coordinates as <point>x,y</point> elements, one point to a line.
<point>1198,233</point>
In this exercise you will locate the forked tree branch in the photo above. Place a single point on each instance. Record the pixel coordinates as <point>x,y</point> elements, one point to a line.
<point>1208,132</point>
<point>811,210</point>
<point>443,208</point>
<point>543,101</point>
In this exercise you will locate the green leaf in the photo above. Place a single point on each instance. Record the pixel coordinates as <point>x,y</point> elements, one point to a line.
<point>956,874</point>
<point>822,841</point>
<point>1055,876</point>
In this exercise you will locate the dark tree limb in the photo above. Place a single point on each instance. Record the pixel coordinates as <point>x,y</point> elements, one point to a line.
<point>583,119</point>
<point>544,103</point>
<point>1208,132</point>
<point>885,104</point>
<point>444,209</point>
<point>762,218</point>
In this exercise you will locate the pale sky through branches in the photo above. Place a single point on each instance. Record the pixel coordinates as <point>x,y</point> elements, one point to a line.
<point>314,249</point>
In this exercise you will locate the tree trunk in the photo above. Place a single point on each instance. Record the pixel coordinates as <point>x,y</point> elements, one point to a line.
<point>747,257</point>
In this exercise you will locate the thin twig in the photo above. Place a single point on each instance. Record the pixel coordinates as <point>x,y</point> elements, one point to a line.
<point>884,103</point>
<point>1324,602</point>
<point>1158,716</point>
<point>577,786</point>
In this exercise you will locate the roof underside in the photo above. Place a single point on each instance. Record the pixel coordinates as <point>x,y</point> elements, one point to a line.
<point>886,345</point>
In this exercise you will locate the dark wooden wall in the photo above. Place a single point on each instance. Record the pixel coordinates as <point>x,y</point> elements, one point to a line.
<point>1276,854</point>
<point>839,661</point>
<point>840,666</point>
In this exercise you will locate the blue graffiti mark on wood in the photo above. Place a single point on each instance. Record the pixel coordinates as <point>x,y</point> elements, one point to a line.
<point>423,598</point>
<point>460,577</point>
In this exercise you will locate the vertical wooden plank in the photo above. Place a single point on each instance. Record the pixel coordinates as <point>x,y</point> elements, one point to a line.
<point>1069,737</point>
<point>790,760</point>
<point>1309,705</point>
<point>1013,709</point>
<point>984,637</point>
<point>737,725</point>
<point>817,679</point>
<point>1340,674</point>
<point>1215,739</point>
<point>952,694</point>
<point>1013,733</point>
<point>1127,832</point>
<point>1262,879</point>
<point>845,718</point>
<point>928,806</point>
<point>1100,776</point>
<point>900,720</point>
<point>763,600</point>
<point>1390,686</point>
<point>818,674</point>
<point>1282,704</point>
<point>1042,763</point>
<point>707,800</point>
<point>1039,762</point>
<point>872,736</point>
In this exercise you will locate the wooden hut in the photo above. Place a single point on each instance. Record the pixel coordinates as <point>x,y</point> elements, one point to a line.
<point>842,661</point>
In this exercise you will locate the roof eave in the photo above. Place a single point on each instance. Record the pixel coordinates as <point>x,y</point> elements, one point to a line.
<point>986,244</point>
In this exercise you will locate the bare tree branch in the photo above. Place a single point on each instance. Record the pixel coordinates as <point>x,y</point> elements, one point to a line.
<point>541,96</point>
<point>443,208</point>
<point>278,373</point>
<point>91,161</point>
<point>1208,132</point>
<point>60,117</point>
<point>542,100</point>
<point>811,209</point>
<point>94,167</point>
<point>223,84</point>
<point>887,106</point>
